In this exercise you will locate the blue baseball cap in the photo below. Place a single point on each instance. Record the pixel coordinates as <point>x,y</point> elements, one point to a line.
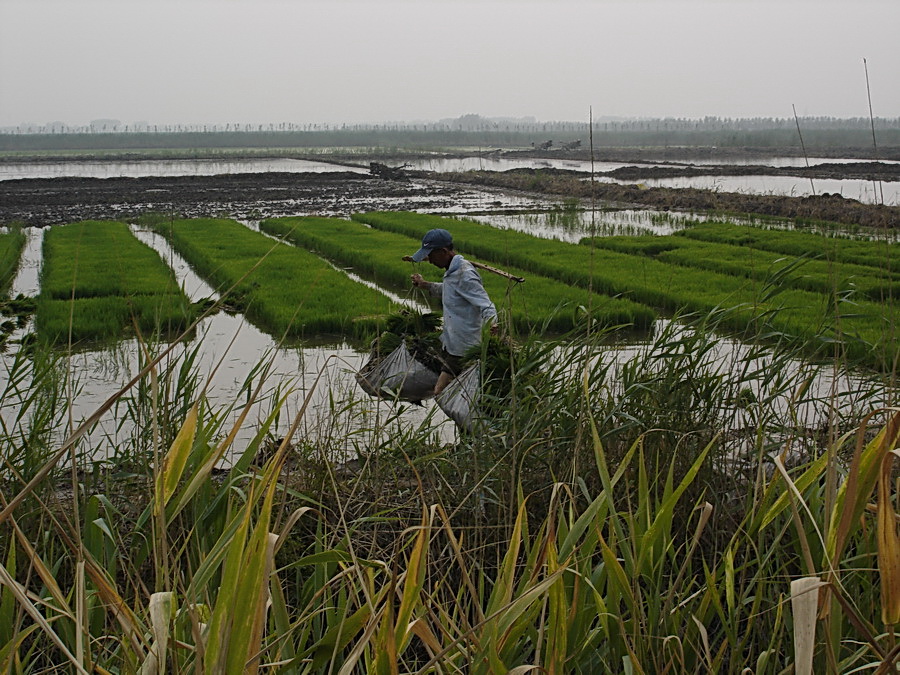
<point>433,239</point>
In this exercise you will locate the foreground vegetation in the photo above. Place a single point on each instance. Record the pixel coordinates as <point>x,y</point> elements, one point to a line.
<point>99,282</point>
<point>670,511</point>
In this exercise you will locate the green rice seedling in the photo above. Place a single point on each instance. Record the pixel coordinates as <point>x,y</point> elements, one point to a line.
<point>100,259</point>
<point>11,244</point>
<point>286,291</point>
<point>812,275</point>
<point>110,317</point>
<point>98,282</point>
<point>878,254</point>
<point>541,303</point>
<point>759,307</point>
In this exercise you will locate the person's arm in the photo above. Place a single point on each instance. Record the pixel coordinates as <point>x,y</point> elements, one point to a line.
<point>436,288</point>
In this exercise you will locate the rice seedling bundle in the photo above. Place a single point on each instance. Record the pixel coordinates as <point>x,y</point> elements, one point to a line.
<point>98,281</point>
<point>284,289</point>
<point>541,303</point>
<point>820,276</point>
<point>790,315</point>
<point>878,254</point>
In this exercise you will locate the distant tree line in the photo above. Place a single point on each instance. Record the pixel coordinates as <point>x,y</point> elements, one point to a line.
<point>468,131</point>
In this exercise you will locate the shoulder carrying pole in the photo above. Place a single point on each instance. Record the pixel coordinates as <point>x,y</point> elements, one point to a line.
<point>486,268</point>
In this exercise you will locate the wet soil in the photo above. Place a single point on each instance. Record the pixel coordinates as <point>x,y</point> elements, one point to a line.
<point>41,202</point>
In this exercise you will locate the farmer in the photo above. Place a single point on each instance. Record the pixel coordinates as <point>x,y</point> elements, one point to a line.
<point>467,307</point>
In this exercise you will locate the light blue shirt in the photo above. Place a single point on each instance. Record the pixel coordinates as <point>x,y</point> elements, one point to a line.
<point>467,306</point>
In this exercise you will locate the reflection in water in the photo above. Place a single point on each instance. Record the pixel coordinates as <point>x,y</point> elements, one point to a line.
<point>166,167</point>
<point>866,191</point>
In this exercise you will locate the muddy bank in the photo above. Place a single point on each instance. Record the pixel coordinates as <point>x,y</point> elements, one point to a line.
<point>874,171</point>
<point>827,207</point>
<point>41,202</point>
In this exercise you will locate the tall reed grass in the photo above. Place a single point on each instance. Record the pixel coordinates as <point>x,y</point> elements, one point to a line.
<point>685,508</point>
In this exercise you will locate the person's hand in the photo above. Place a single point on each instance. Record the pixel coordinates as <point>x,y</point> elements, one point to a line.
<point>418,281</point>
<point>495,329</point>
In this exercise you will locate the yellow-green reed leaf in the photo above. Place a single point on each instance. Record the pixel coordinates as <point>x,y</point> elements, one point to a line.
<point>413,582</point>
<point>888,546</point>
<point>807,478</point>
<point>385,641</point>
<point>116,605</point>
<point>854,493</point>
<point>595,512</point>
<point>729,580</point>
<point>557,628</point>
<point>176,458</point>
<point>337,637</point>
<point>259,618</point>
<point>220,623</point>
<point>359,648</point>
<point>162,610</point>
<point>461,561</point>
<point>201,475</point>
<point>617,577</point>
<point>28,607</point>
<point>281,619</point>
<point>197,589</point>
<point>503,588</point>
<point>513,612</point>
<point>9,650</point>
<point>251,593</point>
<point>654,539</point>
<point>43,571</point>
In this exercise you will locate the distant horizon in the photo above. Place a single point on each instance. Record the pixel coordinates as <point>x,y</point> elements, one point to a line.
<point>468,121</point>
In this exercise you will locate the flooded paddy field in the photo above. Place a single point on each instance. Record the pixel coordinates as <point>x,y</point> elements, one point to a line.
<point>227,347</point>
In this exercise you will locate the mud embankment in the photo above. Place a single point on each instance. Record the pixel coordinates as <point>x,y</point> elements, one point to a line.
<point>825,207</point>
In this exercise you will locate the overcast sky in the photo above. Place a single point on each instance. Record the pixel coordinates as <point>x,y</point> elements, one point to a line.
<point>348,61</point>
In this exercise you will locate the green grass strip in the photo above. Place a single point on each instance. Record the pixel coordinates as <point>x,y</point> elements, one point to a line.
<point>95,259</point>
<point>814,321</point>
<point>98,282</point>
<point>805,273</point>
<point>539,304</point>
<point>878,254</point>
<point>11,245</point>
<point>284,290</point>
